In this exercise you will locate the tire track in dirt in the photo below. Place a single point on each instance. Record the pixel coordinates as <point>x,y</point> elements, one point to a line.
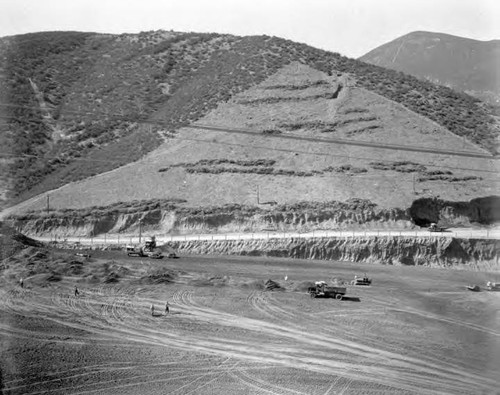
<point>218,371</point>
<point>268,305</point>
<point>374,342</point>
<point>262,385</point>
<point>410,372</point>
<point>413,367</point>
<point>435,317</point>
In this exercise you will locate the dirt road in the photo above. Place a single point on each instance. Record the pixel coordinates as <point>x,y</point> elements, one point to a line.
<point>414,330</point>
<point>463,233</point>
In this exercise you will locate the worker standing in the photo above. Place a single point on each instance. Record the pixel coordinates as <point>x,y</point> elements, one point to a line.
<point>152,309</point>
<point>76,291</point>
<point>167,308</point>
<point>21,282</point>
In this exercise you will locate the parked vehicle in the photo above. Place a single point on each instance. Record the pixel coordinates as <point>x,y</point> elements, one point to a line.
<point>361,280</point>
<point>147,250</point>
<point>322,290</point>
<point>491,286</point>
<point>435,228</point>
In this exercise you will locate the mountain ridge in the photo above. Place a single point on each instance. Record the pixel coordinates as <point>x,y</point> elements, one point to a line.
<point>461,63</point>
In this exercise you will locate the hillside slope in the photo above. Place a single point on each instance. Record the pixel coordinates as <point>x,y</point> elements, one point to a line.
<point>461,63</point>
<point>80,104</point>
<point>289,156</point>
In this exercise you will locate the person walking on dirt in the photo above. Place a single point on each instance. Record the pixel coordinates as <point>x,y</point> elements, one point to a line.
<point>167,308</point>
<point>152,309</point>
<point>76,291</point>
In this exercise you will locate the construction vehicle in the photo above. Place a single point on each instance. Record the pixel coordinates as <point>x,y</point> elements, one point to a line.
<point>435,228</point>
<point>322,290</point>
<point>147,250</point>
<point>361,280</point>
<point>491,286</point>
<point>473,288</point>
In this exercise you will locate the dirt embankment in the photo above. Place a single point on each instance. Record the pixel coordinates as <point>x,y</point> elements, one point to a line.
<point>353,214</point>
<point>173,218</point>
<point>425,251</point>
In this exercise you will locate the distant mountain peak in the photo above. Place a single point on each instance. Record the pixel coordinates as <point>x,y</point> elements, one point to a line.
<point>463,64</point>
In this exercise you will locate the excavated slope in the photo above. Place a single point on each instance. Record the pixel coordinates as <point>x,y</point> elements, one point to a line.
<point>433,252</point>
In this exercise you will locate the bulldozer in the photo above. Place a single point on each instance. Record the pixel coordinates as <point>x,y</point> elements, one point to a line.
<point>322,290</point>
<point>147,250</point>
<point>361,280</point>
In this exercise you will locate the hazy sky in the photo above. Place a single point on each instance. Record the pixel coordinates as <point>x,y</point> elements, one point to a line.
<point>351,27</point>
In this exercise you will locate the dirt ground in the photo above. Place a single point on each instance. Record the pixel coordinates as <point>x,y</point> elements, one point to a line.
<point>415,330</point>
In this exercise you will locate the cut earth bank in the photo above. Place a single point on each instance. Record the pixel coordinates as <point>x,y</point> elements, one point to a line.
<point>170,217</point>
<point>173,217</point>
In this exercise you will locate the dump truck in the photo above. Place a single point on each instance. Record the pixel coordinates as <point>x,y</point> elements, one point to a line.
<point>322,290</point>
<point>361,280</point>
<point>147,250</point>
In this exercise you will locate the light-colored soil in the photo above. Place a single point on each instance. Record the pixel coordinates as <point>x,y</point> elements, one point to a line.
<point>414,330</point>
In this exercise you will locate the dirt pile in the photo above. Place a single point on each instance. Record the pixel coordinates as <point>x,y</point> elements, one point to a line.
<point>424,251</point>
<point>271,285</point>
<point>161,276</point>
<point>12,241</point>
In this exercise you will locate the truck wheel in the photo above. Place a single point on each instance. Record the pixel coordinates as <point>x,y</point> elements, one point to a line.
<point>338,296</point>
<point>312,295</point>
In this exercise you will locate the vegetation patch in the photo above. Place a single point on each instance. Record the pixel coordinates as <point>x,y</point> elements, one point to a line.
<point>401,167</point>
<point>306,85</point>
<point>354,132</point>
<point>347,169</point>
<point>273,100</point>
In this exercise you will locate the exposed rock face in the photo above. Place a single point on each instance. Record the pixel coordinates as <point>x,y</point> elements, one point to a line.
<point>434,252</point>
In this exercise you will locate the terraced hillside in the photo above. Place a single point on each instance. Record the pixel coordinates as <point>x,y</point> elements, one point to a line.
<point>299,137</point>
<point>79,104</point>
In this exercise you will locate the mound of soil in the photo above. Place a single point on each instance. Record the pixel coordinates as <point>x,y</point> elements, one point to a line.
<point>112,277</point>
<point>11,241</point>
<point>271,285</point>
<point>159,277</point>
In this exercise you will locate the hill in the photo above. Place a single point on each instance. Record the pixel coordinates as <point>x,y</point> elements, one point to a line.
<point>288,149</point>
<point>80,104</point>
<point>461,63</point>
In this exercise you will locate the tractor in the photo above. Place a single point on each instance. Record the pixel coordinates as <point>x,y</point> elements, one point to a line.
<point>361,280</point>
<point>148,249</point>
<point>322,290</point>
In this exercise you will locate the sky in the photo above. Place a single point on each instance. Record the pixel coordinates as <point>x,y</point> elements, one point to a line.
<point>350,27</point>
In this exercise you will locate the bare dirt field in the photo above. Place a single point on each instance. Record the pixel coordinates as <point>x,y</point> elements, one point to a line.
<point>414,330</point>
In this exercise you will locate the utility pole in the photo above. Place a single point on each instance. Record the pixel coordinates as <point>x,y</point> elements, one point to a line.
<point>48,206</point>
<point>414,190</point>
<point>258,194</point>
<point>140,230</point>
